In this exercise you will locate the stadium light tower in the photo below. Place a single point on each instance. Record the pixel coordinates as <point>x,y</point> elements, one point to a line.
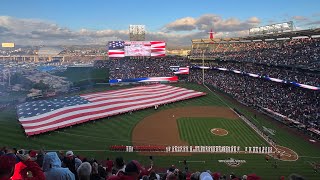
<point>211,34</point>
<point>137,32</point>
<point>203,67</point>
<point>273,28</point>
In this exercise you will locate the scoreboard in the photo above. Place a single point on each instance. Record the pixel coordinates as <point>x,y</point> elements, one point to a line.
<point>136,48</point>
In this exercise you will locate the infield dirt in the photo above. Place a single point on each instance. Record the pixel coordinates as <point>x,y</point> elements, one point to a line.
<point>161,128</point>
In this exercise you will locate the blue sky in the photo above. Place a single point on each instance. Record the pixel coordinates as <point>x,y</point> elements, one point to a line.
<point>102,15</point>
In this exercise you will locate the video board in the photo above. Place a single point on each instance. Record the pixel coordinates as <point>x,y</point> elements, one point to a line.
<point>136,48</point>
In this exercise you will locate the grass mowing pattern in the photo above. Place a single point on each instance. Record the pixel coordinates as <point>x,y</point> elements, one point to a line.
<point>196,131</point>
<point>117,130</point>
<point>77,74</point>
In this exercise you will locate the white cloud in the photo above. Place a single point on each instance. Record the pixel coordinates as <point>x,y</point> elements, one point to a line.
<point>208,21</point>
<point>300,18</point>
<point>183,24</point>
<point>39,32</point>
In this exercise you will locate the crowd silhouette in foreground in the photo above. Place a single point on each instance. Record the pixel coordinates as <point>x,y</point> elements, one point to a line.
<point>41,165</point>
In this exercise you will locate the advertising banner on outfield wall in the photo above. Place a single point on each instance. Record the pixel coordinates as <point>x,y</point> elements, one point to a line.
<point>7,45</point>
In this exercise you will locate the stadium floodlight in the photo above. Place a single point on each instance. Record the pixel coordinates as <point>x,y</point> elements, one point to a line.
<point>273,28</point>
<point>137,32</point>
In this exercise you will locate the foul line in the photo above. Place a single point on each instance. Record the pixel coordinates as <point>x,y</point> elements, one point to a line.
<point>193,161</point>
<point>309,157</point>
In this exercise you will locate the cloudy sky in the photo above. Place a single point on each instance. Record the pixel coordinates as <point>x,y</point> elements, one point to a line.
<point>77,22</point>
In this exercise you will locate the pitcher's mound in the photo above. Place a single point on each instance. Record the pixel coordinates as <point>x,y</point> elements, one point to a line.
<point>219,132</point>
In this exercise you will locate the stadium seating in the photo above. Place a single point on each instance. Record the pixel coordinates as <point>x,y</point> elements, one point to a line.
<point>295,52</point>
<point>296,103</point>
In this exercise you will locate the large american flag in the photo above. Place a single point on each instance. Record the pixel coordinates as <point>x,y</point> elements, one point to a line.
<point>158,48</point>
<point>116,49</point>
<point>47,115</point>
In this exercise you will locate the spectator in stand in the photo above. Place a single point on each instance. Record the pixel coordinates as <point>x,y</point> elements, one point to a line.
<point>171,169</point>
<point>71,162</point>
<point>132,172</point>
<point>2,151</point>
<point>109,165</point>
<point>171,176</point>
<point>145,171</point>
<point>145,177</point>
<point>154,176</point>
<point>205,176</point>
<point>119,165</point>
<point>102,172</point>
<point>27,168</point>
<point>95,172</point>
<point>195,176</point>
<point>61,155</point>
<point>53,170</point>
<point>7,163</point>
<point>296,177</point>
<point>40,156</point>
<point>84,171</point>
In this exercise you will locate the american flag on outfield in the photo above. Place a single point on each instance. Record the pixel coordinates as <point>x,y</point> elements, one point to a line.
<point>47,115</point>
<point>116,49</point>
<point>158,48</point>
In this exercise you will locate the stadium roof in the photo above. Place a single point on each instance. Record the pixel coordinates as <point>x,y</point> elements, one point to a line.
<point>52,50</point>
<point>291,34</point>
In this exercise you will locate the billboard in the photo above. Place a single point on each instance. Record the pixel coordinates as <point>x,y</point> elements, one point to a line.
<point>136,48</point>
<point>7,45</point>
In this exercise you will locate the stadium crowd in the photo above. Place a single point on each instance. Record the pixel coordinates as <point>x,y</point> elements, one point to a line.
<point>123,69</point>
<point>287,74</point>
<point>296,103</point>
<point>137,68</point>
<point>40,165</point>
<point>303,51</point>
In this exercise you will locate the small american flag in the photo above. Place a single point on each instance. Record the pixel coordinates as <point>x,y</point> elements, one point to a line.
<point>182,70</point>
<point>116,49</point>
<point>47,115</point>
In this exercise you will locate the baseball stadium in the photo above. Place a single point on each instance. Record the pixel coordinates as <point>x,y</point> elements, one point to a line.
<point>215,110</point>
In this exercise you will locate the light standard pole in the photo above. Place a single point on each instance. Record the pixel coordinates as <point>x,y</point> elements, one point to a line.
<point>203,67</point>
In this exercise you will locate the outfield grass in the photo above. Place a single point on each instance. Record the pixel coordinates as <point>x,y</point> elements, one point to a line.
<point>79,74</point>
<point>117,130</point>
